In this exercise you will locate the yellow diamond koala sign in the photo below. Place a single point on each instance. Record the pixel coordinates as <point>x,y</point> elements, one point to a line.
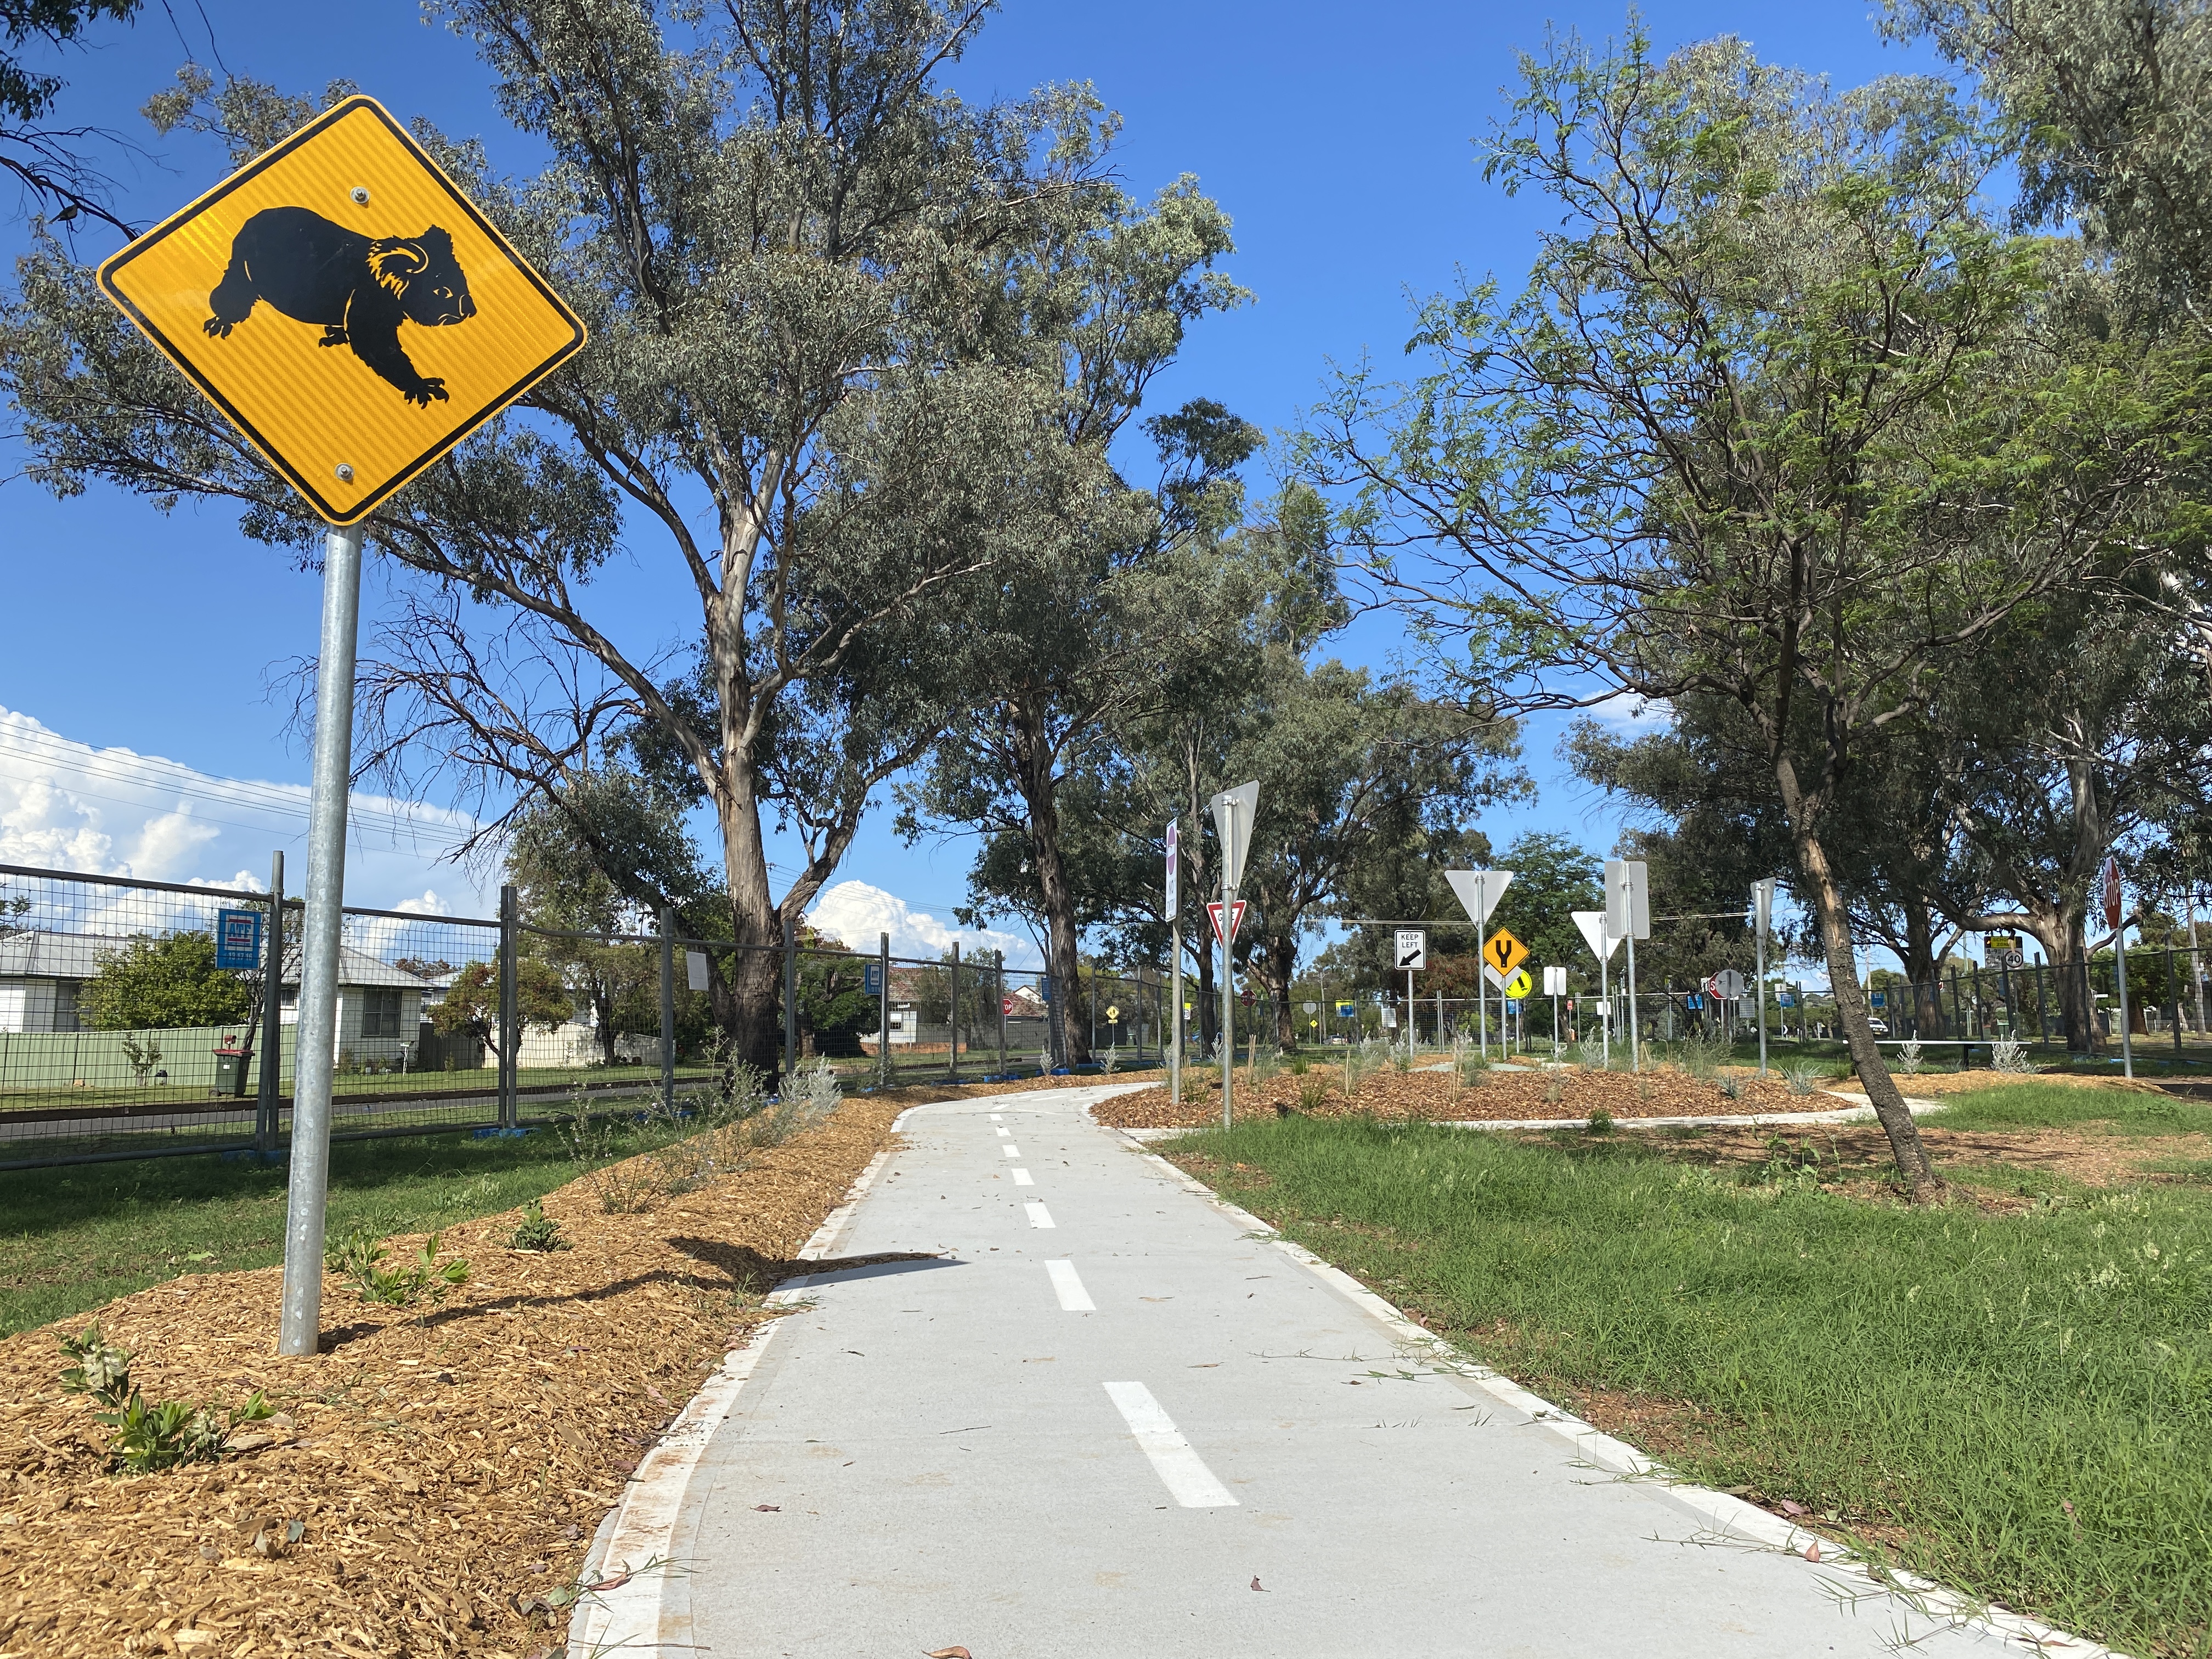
<point>346,306</point>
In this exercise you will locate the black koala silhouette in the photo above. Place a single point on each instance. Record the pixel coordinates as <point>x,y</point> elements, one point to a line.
<point>359,288</point>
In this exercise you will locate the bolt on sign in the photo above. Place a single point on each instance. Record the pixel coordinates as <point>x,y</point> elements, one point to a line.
<point>1504,953</point>
<point>346,308</point>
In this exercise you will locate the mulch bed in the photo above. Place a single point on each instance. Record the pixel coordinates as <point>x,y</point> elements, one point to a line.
<point>449,1464</point>
<point>1432,1095</point>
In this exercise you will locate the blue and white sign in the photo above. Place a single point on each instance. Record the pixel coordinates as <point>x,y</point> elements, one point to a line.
<point>238,940</point>
<point>872,979</point>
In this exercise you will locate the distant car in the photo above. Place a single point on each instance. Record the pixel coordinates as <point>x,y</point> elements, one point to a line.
<point>1879,1027</point>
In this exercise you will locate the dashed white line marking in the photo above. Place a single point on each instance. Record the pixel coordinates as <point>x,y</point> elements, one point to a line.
<point>1069,1288</point>
<point>996,1116</point>
<point>1039,1216</point>
<point>1003,1133</point>
<point>1184,1473</point>
<point>1022,1178</point>
<point>1010,1150</point>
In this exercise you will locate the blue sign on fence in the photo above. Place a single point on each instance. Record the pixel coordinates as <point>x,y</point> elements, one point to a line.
<point>1693,1001</point>
<point>1785,999</point>
<point>872,979</point>
<point>238,939</point>
<point>1345,1010</point>
<point>1878,998</point>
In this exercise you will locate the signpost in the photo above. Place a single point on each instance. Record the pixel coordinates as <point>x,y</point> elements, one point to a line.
<point>2114,921</point>
<point>1628,915</point>
<point>1233,812</point>
<point>344,234</point>
<point>1762,906</point>
<point>1591,924</point>
<point>1477,892</point>
<point>1411,954</point>
<point>1174,958</point>
<point>1555,987</point>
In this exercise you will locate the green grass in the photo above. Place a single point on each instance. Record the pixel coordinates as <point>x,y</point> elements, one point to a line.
<point>2031,1105</point>
<point>74,1238</point>
<point>1958,1375</point>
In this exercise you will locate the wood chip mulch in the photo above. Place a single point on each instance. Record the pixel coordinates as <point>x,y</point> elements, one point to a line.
<point>449,1464</point>
<point>1500,1096</point>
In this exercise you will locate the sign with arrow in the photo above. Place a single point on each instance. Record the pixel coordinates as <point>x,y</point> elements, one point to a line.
<point>1174,873</point>
<point>1413,952</point>
<point>1502,952</point>
<point>1213,910</point>
<point>345,307</point>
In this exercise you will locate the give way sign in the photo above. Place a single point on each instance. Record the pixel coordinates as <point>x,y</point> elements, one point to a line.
<point>1236,922</point>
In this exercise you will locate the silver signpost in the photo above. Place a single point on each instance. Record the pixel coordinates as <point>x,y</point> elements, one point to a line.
<point>1762,905</point>
<point>1477,892</point>
<point>1628,917</point>
<point>1174,958</point>
<point>1233,810</point>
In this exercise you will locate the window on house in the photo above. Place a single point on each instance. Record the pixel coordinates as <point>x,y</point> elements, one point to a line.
<point>65,1015</point>
<point>380,1013</point>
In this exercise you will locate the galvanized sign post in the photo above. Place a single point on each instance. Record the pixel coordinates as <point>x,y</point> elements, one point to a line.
<point>1174,958</point>
<point>346,233</point>
<point>1233,810</point>
<point>1762,905</point>
<point>1628,915</point>
<point>1477,892</point>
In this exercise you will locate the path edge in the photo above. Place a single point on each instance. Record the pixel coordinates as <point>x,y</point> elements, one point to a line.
<point>1729,1515</point>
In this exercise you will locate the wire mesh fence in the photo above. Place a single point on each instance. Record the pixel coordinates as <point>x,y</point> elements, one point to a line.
<point>141,1018</point>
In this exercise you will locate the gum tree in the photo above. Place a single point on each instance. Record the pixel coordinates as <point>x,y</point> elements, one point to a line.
<point>808,412</point>
<point>1772,422</point>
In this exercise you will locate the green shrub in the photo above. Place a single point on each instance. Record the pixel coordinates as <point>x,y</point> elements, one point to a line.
<point>536,1231</point>
<point>149,1435</point>
<point>360,1257</point>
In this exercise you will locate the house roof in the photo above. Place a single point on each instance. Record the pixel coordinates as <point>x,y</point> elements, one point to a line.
<point>78,956</point>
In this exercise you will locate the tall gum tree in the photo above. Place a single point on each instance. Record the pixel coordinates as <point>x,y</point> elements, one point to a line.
<point>1741,432</point>
<point>809,397</point>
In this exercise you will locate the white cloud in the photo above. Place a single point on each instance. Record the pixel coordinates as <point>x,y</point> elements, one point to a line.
<point>1633,716</point>
<point>67,805</point>
<point>857,913</point>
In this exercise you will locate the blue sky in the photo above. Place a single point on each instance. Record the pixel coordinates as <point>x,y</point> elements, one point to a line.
<point>1338,138</point>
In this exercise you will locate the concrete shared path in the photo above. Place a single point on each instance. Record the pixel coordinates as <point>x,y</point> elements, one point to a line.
<point>1103,1417</point>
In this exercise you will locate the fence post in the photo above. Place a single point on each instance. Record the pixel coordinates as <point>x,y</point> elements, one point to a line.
<point>510,1021</point>
<point>272,1015</point>
<point>883,1009</point>
<point>668,1009</point>
<point>1002,1011</point>
<point>790,999</point>
<point>952,1019</point>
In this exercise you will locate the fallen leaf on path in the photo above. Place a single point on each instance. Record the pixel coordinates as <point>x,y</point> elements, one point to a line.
<point>1257,1585</point>
<point>1812,1551</point>
<point>769,1509</point>
<point>1789,1507</point>
<point>951,1653</point>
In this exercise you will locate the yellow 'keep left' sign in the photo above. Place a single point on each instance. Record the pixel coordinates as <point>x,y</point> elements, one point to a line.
<point>346,306</point>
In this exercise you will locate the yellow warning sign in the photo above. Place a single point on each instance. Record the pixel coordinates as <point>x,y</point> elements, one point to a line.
<point>1504,953</point>
<point>1520,984</point>
<point>345,307</point>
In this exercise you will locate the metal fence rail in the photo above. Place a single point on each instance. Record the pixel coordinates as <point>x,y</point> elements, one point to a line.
<point>121,1036</point>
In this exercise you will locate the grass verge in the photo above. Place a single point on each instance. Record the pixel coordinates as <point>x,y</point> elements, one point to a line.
<point>2030,1105</point>
<point>73,1238</point>
<point>2019,1405</point>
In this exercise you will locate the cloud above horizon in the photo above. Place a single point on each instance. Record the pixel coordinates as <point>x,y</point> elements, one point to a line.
<point>857,913</point>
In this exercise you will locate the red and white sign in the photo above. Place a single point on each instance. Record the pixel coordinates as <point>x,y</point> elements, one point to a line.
<point>1236,922</point>
<point>2111,895</point>
<point>1005,1005</point>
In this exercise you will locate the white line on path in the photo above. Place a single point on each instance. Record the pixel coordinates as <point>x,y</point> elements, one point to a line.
<point>1010,1150</point>
<point>1069,1288</point>
<point>996,1116</point>
<point>1003,1133</point>
<point>1022,1178</point>
<point>1039,1216</point>
<point>1181,1469</point>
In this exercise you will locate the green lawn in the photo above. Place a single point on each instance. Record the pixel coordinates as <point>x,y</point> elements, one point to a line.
<point>72,1238</point>
<point>2031,1105</point>
<point>1951,1380</point>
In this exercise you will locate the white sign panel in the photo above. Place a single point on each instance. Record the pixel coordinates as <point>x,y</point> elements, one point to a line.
<point>694,969</point>
<point>1627,899</point>
<point>1555,982</point>
<point>1232,817</point>
<point>1413,949</point>
<point>1479,890</point>
<point>1592,925</point>
<point>1174,868</point>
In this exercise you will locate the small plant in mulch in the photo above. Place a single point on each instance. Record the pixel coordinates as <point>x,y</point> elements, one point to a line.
<point>1300,1064</point>
<point>1802,1078</point>
<point>1908,1057</point>
<point>2010,1055</point>
<point>1554,1091</point>
<point>1600,1121</point>
<point>150,1435</point>
<point>1730,1084</point>
<point>360,1258</point>
<point>536,1231</point>
<point>1313,1090</point>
